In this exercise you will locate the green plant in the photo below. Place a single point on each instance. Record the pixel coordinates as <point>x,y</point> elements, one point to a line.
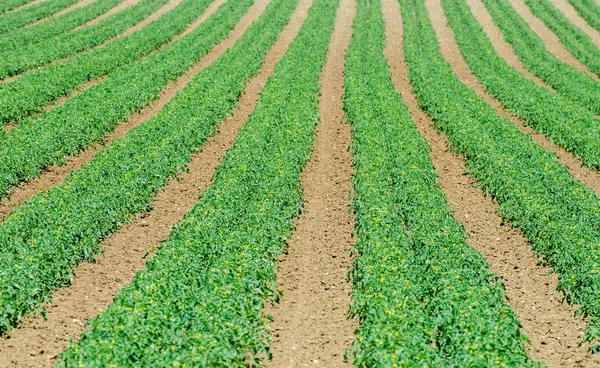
<point>422,295</point>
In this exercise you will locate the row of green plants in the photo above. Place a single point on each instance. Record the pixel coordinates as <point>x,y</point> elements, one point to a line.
<point>13,62</point>
<point>574,39</point>
<point>46,139</point>
<point>563,122</point>
<point>8,5</point>
<point>20,17</point>
<point>557,214</point>
<point>55,230</point>
<point>569,82</point>
<point>422,296</point>
<point>589,10</point>
<point>36,89</point>
<point>55,26</point>
<point>200,300</point>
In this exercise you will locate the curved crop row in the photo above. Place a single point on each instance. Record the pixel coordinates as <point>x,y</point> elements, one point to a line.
<point>13,62</point>
<point>8,5</point>
<point>45,237</point>
<point>37,88</point>
<point>48,138</point>
<point>422,295</point>
<point>55,26</point>
<point>564,123</point>
<point>569,82</point>
<point>199,301</point>
<point>557,213</point>
<point>574,39</point>
<point>589,10</point>
<point>13,20</point>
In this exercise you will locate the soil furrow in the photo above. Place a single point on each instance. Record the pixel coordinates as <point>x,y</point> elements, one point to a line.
<point>36,341</point>
<point>569,11</point>
<point>503,48</point>
<point>31,3</point>
<point>172,4</point>
<point>451,52</point>
<point>550,39</point>
<point>310,324</point>
<point>553,330</point>
<point>121,6</point>
<point>56,174</point>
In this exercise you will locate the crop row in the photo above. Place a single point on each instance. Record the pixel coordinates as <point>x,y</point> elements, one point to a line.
<point>589,10</point>
<point>13,20</point>
<point>574,39</point>
<point>14,62</point>
<point>566,124</point>
<point>37,88</point>
<point>422,295</point>
<point>51,232</point>
<point>200,300</point>
<point>571,83</point>
<point>8,5</point>
<point>557,213</point>
<point>55,26</point>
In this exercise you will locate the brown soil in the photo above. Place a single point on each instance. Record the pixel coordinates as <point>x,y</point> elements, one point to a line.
<point>56,174</point>
<point>503,48</point>
<point>569,11</point>
<point>553,330</point>
<point>549,38</point>
<point>451,52</point>
<point>310,325</point>
<point>36,341</point>
<point>119,7</point>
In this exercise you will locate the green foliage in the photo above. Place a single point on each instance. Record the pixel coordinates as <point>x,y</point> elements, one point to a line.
<point>589,10</point>
<point>19,18</point>
<point>199,301</point>
<point>529,47</point>
<point>566,124</point>
<point>57,25</point>
<point>574,39</point>
<point>8,5</point>
<point>422,295</point>
<point>557,213</point>
<point>13,62</point>
<point>37,88</point>
<point>41,240</point>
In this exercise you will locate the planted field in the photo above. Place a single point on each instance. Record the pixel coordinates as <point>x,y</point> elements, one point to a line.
<point>294,183</point>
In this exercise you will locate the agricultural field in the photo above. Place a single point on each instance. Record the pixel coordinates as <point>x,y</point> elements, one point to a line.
<point>296,183</point>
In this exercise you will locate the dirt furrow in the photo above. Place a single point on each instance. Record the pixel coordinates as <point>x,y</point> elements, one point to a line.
<point>503,48</point>
<point>451,52</point>
<point>36,341</point>
<point>310,324</point>
<point>121,6</point>
<point>549,38</point>
<point>553,330</point>
<point>31,3</point>
<point>56,174</point>
<point>569,11</point>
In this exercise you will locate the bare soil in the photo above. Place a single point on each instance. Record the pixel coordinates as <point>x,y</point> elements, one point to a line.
<point>36,341</point>
<point>503,48</point>
<point>310,325</point>
<point>569,11</point>
<point>549,38</point>
<point>551,326</point>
